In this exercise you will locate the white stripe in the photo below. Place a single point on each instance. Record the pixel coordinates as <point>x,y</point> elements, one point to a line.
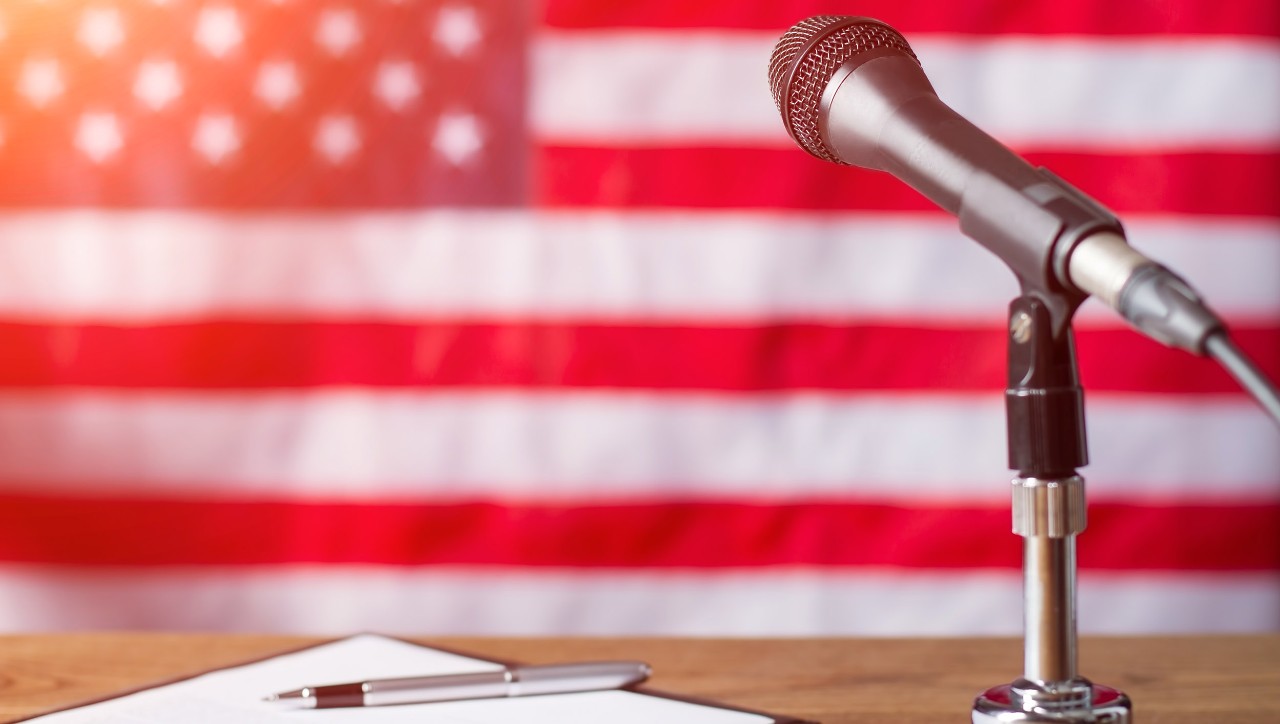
<point>514,602</point>
<point>372,445</point>
<point>134,267</point>
<point>637,88</point>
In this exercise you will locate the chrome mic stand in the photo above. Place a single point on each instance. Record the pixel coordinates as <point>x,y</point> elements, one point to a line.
<point>1045,408</point>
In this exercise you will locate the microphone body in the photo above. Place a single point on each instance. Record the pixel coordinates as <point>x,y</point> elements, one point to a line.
<point>879,111</point>
<point>851,91</point>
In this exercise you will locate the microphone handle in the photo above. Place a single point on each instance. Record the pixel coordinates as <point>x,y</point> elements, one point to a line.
<point>880,112</point>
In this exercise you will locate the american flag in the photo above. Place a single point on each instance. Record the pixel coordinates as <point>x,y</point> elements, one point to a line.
<point>503,317</point>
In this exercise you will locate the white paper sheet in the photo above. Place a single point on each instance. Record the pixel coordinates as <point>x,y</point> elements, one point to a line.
<point>234,695</point>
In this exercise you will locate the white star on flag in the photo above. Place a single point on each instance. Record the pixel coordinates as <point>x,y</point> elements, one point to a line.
<point>396,84</point>
<point>337,138</point>
<point>458,137</point>
<point>277,83</point>
<point>216,137</point>
<point>338,31</point>
<point>98,136</point>
<point>218,30</point>
<point>41,81</point>
<point>158,83</point>
<point>457,29</point>
<point>101,30</point>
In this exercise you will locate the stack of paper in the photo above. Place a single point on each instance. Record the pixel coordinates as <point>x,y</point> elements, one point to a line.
<point>235,695</point>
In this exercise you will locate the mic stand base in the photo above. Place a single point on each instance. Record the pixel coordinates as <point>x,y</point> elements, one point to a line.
<point>1049,514</point>
<point>1079,702</point>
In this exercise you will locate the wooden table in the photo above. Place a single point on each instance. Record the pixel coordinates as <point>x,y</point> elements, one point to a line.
<point>1171,680</point>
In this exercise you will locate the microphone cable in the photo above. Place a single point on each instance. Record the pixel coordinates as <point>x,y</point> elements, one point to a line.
<point>1220,347</point>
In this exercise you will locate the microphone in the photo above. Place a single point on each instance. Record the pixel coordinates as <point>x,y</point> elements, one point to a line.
<point>851,91</point>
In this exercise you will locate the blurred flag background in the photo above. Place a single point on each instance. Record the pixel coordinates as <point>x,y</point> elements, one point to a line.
<point>488,316</point>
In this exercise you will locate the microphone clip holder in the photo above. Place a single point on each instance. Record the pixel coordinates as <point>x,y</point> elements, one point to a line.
<point>1045,408</point>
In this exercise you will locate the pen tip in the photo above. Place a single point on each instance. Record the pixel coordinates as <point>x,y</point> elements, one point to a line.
<point>300,697</point>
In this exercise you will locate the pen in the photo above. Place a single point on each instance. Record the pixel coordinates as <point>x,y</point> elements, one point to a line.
<point>512,681</point>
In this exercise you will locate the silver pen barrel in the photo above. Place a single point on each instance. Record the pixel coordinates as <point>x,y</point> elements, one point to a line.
<point>515,681</point>
<point>450,687</point>
<point>562,678</point>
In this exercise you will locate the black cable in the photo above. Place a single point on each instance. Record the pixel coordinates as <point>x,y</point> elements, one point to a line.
<point>1220,347</point>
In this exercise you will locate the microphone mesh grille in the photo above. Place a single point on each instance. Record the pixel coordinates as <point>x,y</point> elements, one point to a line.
<point>798,81</point>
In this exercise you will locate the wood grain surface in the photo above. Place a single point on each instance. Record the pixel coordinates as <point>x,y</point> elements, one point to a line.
<point>1184,680</point>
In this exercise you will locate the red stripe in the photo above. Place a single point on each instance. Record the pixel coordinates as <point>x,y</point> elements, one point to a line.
<point>1101,17</point>
<point>525,354</point>
<point>1235,184</point>
<point>658,535</point>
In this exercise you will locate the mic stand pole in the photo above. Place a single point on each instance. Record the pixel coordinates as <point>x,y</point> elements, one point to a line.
<point>1045,408</point>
